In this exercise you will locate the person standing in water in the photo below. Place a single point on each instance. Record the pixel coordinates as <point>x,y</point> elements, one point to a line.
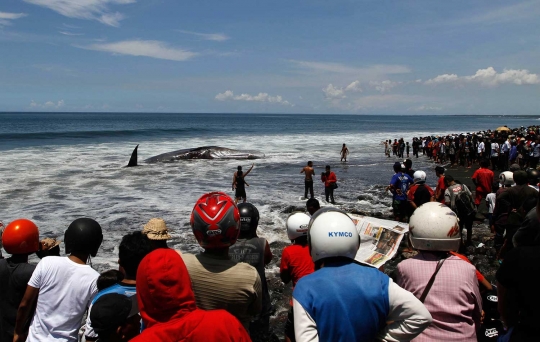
<point>239,184</point>
<point>344,153</point>
<point>309,172</point>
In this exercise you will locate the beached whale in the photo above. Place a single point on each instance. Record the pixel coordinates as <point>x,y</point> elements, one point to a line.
<point>204,152</point>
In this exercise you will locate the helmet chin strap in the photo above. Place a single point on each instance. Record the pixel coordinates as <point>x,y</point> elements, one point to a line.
<point>89,261</point>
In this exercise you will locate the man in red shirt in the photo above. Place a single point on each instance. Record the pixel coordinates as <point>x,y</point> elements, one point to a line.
<point>482,179</point>
<point>439,191</point>
<point>329,179</point>
<point>296,261</point>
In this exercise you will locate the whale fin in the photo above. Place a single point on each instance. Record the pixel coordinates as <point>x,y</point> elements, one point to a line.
<point>133,159</point>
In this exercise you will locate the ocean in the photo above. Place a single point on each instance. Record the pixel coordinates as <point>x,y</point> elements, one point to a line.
<point>56,167</point>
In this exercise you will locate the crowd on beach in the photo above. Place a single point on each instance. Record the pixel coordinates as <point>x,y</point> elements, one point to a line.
<point>221,294</point>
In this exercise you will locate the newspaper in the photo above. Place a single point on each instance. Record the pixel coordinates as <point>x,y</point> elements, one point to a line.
<point>379,239</point>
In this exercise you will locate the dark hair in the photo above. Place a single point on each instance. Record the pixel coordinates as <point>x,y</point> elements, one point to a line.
<point>439,169</point>
<point>520,177</point>
<point>448,179</point>
<point>133,248</point>
<point>408,163</point>
<point>310,163</point>
<point>484,163</point>
<point>328,167</point>
<point>239,168</point>
<point>108,279</point>
<point>495,186</point>
<point>313,202</point>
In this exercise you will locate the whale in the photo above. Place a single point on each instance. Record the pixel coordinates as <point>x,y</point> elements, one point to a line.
<point>203,152</point>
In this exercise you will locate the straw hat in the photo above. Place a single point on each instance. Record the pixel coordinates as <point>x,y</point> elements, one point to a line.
<point>156,229</point>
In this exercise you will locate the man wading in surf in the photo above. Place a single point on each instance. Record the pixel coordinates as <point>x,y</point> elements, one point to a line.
<point>309,172</point>
<point>239,184</point>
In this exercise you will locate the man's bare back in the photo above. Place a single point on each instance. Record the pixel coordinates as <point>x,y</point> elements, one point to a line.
<point>308,171</point>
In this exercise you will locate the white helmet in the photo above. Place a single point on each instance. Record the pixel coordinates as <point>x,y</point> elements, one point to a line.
<point>297,225</point>
<point>332,233</point>
<point>434,227</point>
<point>506,178</point>
<point>419,177</point>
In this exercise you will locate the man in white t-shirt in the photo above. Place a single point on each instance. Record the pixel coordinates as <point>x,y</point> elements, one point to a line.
<point>494,154</point>
<point>481,149</point>
<point>61,288</point>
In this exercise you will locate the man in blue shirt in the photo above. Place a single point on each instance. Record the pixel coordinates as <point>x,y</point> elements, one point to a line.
<point>399,185</point>
<point>133,248</point>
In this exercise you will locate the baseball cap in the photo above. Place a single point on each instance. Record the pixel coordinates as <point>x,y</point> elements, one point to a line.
<point>111,311</point>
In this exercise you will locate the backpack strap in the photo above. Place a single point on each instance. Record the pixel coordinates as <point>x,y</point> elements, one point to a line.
<point>431,281</point>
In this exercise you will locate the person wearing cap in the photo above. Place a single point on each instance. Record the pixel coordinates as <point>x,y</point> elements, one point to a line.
<point>419,193</point>
<point>295,262</point>
<point>157,232</point>
<point>168,308</point>
<point>133,248</point>
<point>219,282</point>
<point>20,239</point>
<point>116,317</point>
<point>399,185</point>
<point>446,284</point>
<point>346,301</point>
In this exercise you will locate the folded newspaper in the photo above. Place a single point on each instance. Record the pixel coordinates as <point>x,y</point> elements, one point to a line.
<point>379,239</point>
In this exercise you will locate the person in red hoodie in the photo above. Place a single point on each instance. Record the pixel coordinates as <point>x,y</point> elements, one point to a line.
<point>167,305</point>
<point>329,179</point>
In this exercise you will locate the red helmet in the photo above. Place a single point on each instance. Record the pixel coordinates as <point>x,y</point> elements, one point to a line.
<point>215,220</point>
<point>21,237</point>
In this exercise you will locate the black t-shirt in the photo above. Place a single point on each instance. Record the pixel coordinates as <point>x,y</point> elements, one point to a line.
<point>490,330</point>
<point>517,273</point>
<point>421,195</point>
<point>13,281</point>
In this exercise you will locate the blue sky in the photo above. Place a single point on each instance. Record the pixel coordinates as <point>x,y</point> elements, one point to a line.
<point>340,56</point>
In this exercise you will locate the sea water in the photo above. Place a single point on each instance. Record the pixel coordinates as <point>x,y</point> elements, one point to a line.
<point>56,167</point>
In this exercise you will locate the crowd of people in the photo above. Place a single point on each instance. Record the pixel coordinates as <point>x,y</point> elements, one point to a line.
<point>221,293</point>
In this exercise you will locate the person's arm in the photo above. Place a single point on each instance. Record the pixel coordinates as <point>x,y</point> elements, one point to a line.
<point>267,254</point>
<point>26,308</point>
<point>332,178</point>
<point>305,328</point>
<point>246,183</point>
<point>303,170</point>
<point>284,272</point>
<point>256,306</point>
<point>248,171</point>
<point>407,316</point>
<point>234,181</point>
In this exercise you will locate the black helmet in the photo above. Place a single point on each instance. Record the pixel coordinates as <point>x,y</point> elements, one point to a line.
<point>532,176</point>
<point>249,217</point>
<point>83,235</point>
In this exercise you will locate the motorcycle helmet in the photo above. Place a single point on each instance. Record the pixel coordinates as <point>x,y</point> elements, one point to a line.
<point>506,178</point>
<point>297,225</point>
<point>84,235</point>
<point>249,217</point>
<point>419,177</point>
<point>21,237</point>
<point>434,227</point>
<point>332,233</point>
<point>215,220</point>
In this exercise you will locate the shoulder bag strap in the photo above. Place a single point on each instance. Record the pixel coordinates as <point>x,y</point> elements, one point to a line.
<point>431,281</point>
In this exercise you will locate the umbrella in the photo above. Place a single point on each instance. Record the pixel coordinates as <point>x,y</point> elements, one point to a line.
<point>503,128</point>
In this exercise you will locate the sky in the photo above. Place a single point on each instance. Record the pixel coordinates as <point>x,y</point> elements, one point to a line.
<point>300,56</point>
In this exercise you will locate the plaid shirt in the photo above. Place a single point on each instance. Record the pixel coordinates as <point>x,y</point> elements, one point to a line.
<point>454,300</point>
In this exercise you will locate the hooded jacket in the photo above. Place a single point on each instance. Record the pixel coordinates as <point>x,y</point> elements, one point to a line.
<point>167,305</point>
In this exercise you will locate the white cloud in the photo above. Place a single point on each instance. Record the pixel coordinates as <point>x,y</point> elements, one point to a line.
<point>147,48</point>
<point>425,108</point>
<point>383,86</point>
<point>218,37</point>
<point>261,97</point>
<point>6,17</point>
<point>379,69</point>
<point>85,9</point>
<point>70,33</point>
<point>332,92</point>
<point>47,105</point>
<point>489,77</point>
